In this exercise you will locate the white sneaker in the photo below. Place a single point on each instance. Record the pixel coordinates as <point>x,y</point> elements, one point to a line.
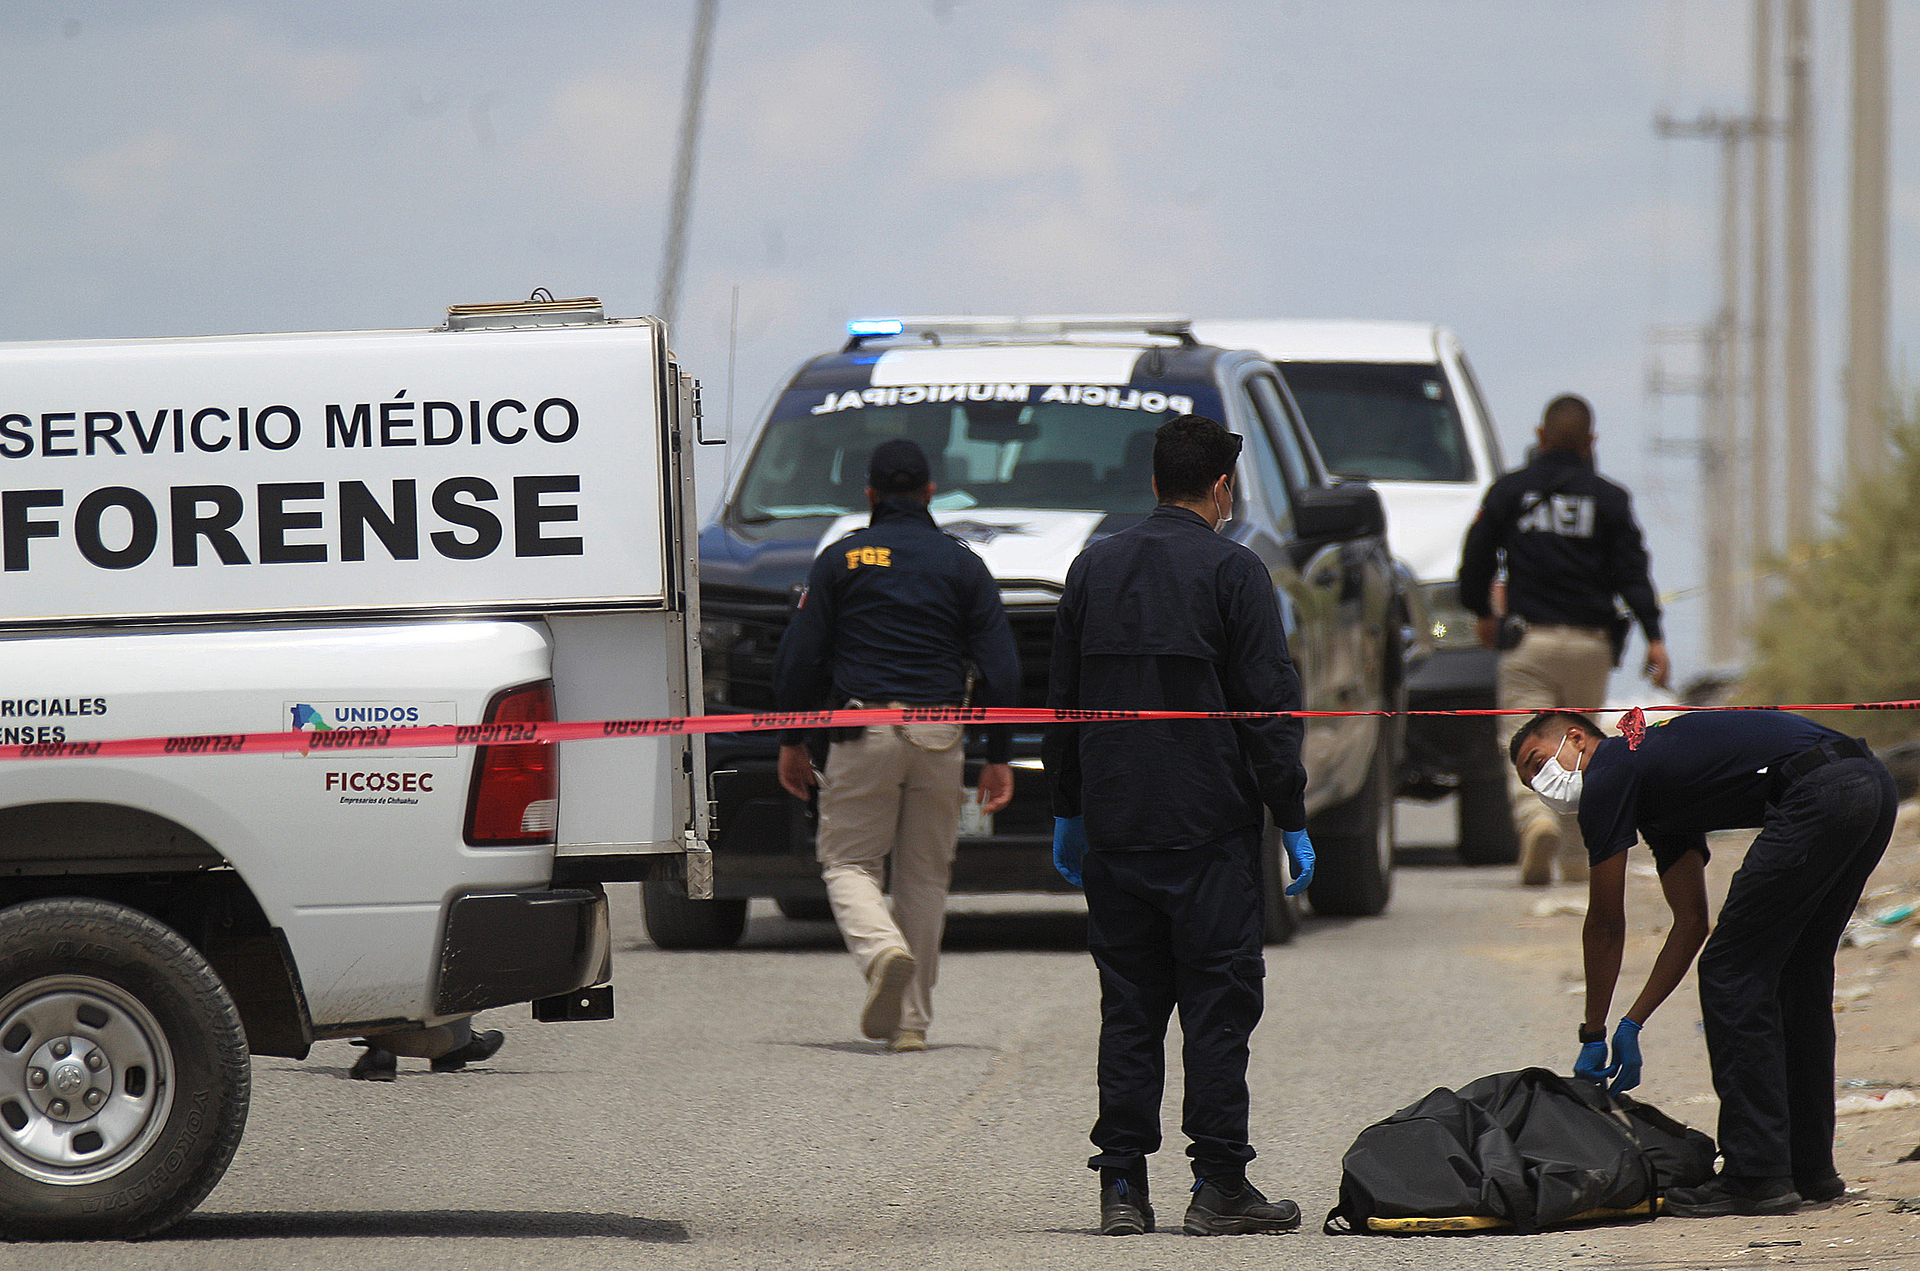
<point>1539,844</point>
<point>887,982</point>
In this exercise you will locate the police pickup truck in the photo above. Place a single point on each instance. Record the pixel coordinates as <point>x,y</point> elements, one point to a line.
<point>340,533</point>
<point>1396,403</point>
<point>1040,435</point>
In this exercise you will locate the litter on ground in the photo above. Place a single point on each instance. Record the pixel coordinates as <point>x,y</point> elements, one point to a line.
<point>1854,1104</point>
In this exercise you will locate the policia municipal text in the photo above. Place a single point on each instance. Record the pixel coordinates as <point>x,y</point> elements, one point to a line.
<point>1824,807</point>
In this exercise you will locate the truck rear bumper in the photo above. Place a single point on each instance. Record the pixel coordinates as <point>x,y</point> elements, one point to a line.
<point>1454,673</point>
<point>502,948</point>
<point>1443,752</point>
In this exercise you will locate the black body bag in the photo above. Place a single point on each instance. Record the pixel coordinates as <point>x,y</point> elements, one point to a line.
<point>1523,1150</point>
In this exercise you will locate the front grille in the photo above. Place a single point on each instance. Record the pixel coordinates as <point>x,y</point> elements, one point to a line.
<point>739,670</point>
<point>1033,636</point>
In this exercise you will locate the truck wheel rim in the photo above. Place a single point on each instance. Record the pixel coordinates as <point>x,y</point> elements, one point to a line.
<point>86,1079</point>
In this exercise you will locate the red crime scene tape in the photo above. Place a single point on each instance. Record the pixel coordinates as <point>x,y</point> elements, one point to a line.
<point>1633,725</point>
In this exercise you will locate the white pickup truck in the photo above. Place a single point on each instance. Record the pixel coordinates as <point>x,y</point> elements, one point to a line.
<point>489,521</point>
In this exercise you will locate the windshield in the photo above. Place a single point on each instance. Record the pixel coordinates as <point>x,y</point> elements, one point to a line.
<point>1382,421</point>
<point>1076,446</point>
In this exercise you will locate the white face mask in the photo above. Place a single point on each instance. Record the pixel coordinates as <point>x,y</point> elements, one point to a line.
<point>1557,786</point>
<point>1225,514</point>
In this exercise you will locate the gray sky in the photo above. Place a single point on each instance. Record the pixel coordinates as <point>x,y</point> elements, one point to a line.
<point>264,165</point>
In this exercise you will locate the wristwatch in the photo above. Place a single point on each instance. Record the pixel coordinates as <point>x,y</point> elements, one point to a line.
<point>1592,1034</point>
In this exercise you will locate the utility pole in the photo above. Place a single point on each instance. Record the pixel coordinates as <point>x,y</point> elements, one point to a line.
<point>1802,465</point>
<point>694,94</point>
<point>1760,370</point>
<point>1719,445</point>
<point>1867,292</point>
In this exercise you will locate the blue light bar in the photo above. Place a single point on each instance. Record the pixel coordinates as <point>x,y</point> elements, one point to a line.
<point>876,326</point>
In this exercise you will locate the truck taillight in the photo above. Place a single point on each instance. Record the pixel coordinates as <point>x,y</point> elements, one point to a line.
<point>514,797</point>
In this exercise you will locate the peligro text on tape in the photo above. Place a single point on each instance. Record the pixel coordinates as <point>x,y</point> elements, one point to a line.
<point>519,733</point>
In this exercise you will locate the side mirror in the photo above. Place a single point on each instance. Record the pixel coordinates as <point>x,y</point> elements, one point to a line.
<point>1351,509</point>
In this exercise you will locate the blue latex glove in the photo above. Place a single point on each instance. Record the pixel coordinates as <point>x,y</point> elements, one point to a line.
<point>1592,1064</point>
<point>1300,853</point>
<point>1069,845</point>
<point>1625,1069</point>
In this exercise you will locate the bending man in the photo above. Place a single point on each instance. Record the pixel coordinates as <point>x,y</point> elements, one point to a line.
<point>1824,807</point>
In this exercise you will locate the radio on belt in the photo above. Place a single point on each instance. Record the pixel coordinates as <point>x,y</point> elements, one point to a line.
<point>268,554</point>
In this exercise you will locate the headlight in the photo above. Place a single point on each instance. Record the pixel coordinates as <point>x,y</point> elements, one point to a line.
<point>1453,625</point>
<point>717,638</point>
<point>718,634</point>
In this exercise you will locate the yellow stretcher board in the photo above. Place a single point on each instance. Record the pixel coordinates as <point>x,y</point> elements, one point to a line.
<point>1469,1222</point>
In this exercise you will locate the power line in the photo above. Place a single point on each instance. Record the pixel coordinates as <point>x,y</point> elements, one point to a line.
<point>683,164</point>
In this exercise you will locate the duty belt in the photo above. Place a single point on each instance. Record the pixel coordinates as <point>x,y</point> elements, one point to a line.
<point>1598,633</point>
<point>854,703</point>
<point>1785,775</point>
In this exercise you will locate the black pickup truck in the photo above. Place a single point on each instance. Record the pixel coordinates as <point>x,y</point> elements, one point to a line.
<point>1040,434</point>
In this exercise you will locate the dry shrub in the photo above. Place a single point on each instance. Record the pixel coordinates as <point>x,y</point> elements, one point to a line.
<point>1846,624</point>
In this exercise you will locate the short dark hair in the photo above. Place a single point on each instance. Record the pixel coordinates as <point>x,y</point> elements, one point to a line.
<point>1190,453</point>
<point>1539,724</point>
<point>1566,424</point>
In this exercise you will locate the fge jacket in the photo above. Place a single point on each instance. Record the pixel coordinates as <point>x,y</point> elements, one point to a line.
<point>1572,545</point>
<point>897,612</point>
<point>1168,615</point>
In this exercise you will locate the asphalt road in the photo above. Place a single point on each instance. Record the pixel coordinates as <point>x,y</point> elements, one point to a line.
<point>731,1117</point>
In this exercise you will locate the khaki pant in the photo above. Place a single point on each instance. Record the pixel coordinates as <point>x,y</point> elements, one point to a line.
<point>1553,667</point>
<point>882,796</point>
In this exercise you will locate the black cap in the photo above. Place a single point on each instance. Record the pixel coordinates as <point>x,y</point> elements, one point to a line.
<point>898,466</point>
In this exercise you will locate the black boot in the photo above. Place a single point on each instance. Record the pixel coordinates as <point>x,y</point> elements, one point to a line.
<point>1818,1189</point>
<point>479,1046</point>
<point>1124,1208</point>
<point>1235,1207</point>
<point>374,1064</point>
<point>1733,1194</point>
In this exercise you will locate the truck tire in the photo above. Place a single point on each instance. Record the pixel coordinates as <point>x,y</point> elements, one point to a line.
<point>805,908</point>
<point>676,922</point>
<point>1485,816</point>
<point>116,1012</point>
<point>1353,844</point>
<point>1280,920</point>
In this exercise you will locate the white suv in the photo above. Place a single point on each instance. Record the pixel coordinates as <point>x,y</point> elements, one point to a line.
<point>1396,403</point>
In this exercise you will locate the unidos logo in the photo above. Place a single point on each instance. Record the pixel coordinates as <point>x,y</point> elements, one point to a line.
<point>308,720</point>
<point>321,714</point>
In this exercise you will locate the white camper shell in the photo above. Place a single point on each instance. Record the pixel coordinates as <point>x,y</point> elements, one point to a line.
<point>491,520</point>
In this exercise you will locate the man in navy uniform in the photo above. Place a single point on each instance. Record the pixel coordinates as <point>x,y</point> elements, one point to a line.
<point>1824,807</point>
<point>894,615</point>
<point>1163,822</point>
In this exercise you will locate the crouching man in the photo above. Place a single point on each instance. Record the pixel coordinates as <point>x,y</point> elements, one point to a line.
<point>1824,807</point>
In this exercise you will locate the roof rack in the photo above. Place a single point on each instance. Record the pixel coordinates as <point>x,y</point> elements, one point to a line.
<point>538,310</point>
<point>934,329</point>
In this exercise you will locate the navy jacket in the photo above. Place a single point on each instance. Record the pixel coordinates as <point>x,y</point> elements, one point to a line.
<point>1168,615</point>
<point>895,613</point>
<point>1572,545</point>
